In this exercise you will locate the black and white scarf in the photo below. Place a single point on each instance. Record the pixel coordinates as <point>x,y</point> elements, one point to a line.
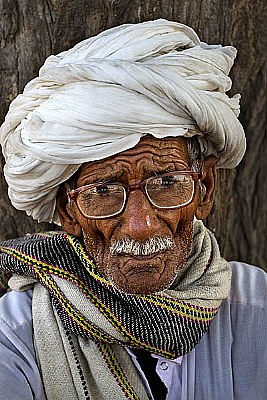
<point>82,324</point>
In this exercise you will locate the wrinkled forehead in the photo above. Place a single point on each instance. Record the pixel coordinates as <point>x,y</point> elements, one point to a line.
<point>150,154</point>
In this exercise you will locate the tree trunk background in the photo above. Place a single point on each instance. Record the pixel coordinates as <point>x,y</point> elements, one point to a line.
<point>32,30</point>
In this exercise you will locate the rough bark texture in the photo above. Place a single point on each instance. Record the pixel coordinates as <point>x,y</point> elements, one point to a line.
<point>32,30</point>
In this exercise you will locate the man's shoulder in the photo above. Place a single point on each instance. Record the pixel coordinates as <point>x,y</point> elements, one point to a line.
<point>15,309</point>
<point>249,285</point>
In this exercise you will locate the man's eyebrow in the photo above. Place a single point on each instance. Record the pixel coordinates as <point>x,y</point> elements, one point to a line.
<point>160,171</point>
<point>110,177</point>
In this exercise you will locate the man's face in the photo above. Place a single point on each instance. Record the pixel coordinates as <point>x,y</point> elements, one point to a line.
<point>141,222</point>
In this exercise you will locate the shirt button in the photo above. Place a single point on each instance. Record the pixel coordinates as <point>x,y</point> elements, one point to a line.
<point>164,366</point>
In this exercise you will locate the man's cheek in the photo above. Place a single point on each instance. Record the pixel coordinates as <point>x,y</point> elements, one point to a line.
<point>95,246</point>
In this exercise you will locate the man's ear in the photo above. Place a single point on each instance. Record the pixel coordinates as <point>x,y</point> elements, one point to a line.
<point>208,182</point>
<point>66,214</point>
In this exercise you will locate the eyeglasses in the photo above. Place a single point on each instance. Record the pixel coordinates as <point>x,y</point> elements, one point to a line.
<point>105,200</point>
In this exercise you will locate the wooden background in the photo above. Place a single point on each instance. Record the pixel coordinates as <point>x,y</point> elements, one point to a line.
<point>32,30</point>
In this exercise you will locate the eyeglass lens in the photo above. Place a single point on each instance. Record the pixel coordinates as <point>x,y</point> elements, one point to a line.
<point>104,200</point>
<point>170,190</point>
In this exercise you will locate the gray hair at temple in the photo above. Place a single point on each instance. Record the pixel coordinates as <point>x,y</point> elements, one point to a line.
<point>103,95</point>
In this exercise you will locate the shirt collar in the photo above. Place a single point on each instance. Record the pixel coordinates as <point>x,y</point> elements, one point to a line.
<point>177,360</point>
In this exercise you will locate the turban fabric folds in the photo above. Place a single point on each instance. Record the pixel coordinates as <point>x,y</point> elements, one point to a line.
<point>100,97</point>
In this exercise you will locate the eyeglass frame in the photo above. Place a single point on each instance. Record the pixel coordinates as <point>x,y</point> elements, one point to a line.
<point>72,194</point>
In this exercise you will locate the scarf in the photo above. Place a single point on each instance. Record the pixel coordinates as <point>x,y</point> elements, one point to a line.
<point>82,324</point>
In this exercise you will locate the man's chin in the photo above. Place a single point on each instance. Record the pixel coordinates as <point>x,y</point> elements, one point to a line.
<point>141,275</point>
<point>141,283</point>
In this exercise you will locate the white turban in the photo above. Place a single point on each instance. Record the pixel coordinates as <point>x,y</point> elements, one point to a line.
<point>100,97</point>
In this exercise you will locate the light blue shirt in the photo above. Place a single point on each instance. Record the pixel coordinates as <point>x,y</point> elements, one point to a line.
<point>169,372</point>
<point>229,363</point>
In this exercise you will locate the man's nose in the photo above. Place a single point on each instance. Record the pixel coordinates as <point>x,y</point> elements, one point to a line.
<point>140,219</point>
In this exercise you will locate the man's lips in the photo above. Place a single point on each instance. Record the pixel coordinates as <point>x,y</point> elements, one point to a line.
<point>141,258</point>
<point>144,264</point>
<point>141,269</point>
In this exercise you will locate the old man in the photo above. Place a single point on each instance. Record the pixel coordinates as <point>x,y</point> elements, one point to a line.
<point>118,141</point>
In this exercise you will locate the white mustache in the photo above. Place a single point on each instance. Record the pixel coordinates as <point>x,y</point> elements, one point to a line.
<point>150,246</point>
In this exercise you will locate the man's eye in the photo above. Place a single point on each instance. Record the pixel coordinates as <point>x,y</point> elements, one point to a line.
<point>104,189</point>
<point>167,180</point>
